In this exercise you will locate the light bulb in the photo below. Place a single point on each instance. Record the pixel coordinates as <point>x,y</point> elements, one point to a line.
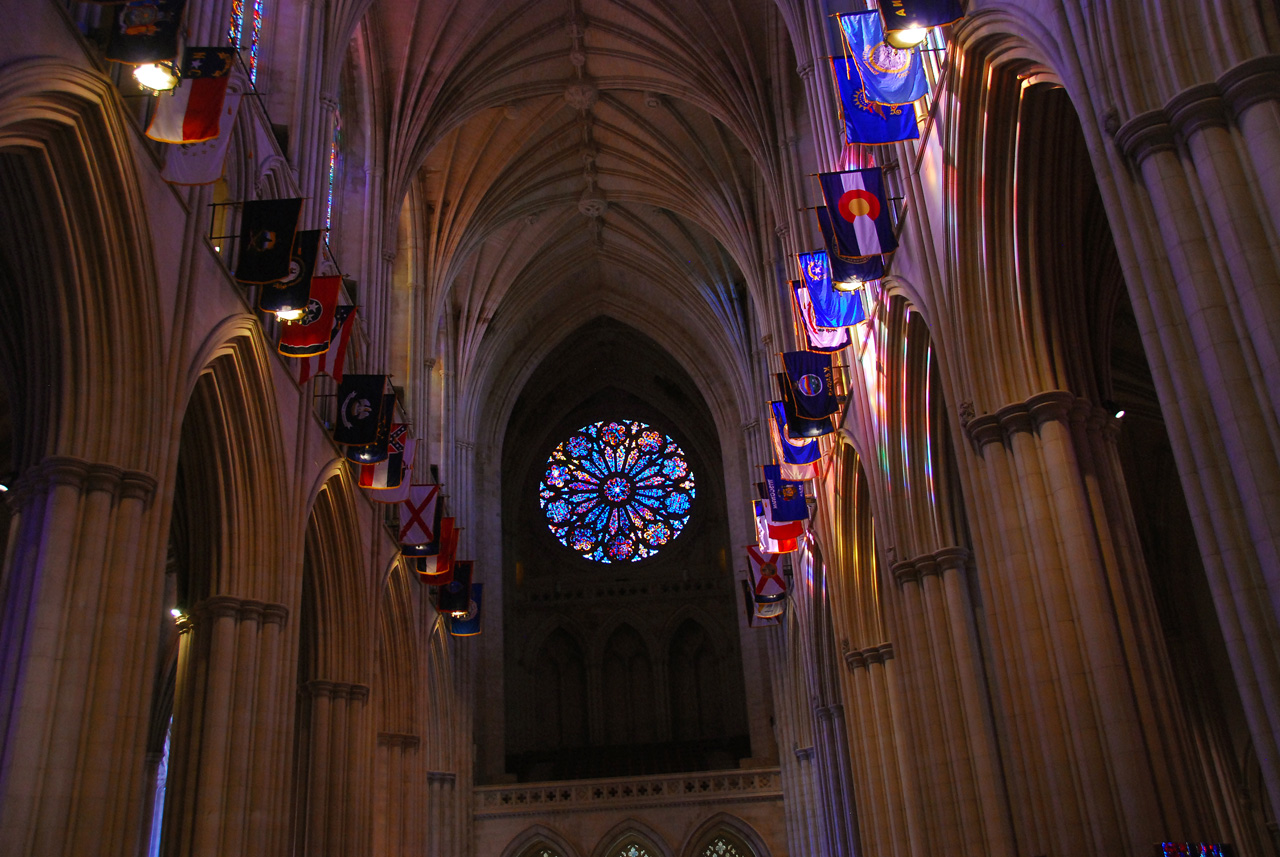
<point>289,314</point>
<point>156,76</point>
<point>908,38</point>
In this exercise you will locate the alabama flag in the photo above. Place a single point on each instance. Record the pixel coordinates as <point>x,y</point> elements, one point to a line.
<point>192,113</point>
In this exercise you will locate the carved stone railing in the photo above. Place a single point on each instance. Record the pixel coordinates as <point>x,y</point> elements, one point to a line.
<point>760,784</point>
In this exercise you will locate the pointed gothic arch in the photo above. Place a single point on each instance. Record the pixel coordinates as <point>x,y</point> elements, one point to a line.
<point>628,834</point>
<point>536,840</point>
<point>732,830</point>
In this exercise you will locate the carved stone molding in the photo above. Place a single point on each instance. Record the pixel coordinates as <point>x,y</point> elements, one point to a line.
<point>403,740</point>
<point>228,606</point>
<point>318,688</point>
<point>936,563</point>
<point>1144,135</point>
<point>1049,406</point>
<point>1252,81</point>
<point>804,754</point>
<point>84,476</point>
<point>1197,107</point>
<point>861,658</point>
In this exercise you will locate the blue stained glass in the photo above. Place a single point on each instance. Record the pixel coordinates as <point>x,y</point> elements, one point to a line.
<point>617,491</point>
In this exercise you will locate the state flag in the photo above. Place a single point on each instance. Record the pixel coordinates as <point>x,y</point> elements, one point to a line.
<point>766,541</point>
<point>778,530</point>
<point>192,111</point>
<point>866,121</point>
<point>455,596</point>
<point>435,566</point>
<point>767,586</point>
<point>420,519</point>
<point>797,459</point>
<point>831,308</point>
<point>859,211</point>
<point>796,426</point>
<point>267,230</point>
<point>294,290</point>
<point>359,409</point>
<point>819,338</point>
<point>388,474</point>
<point>468,624</point>
<point>846,269</point>
<point>330,362</point>
<point>379,449</point>
<point>311,334</point>
<point>754,619</point>
<point>146,31</point>
<point>919,14</point>
<point>202,163</point>
<point>812,387</point>
<point>889,75</point>
<point>786,497</point>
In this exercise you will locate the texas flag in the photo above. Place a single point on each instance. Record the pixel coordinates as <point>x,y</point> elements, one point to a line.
<point>192,112</point>
<point>860,212</point>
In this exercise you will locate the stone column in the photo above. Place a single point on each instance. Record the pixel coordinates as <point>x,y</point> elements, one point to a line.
<point>442,839</point>
<point>1092,764</point>
<point>227,789</point>
<point>79,597</point>
<point>397,811</point>
<point>336,791</point>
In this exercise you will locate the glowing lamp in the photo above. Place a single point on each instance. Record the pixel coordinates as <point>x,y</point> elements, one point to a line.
<point>156,76</point>
<point>3,488</point>
<point>851,286</point>
<point>289,314</point>
<point>908,38</point>
<point>1112,408</point>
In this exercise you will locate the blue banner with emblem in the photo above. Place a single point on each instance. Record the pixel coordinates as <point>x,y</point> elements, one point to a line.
<point>866,121</point>
<point>889,75</point>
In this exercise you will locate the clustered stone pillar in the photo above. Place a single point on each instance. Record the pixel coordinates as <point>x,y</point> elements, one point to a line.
<point>442,819</point>
<point>398,817</point>
<point>337,804</point>
<point>79,596</point>
<point>960,777</point>
<point>228,770</point>
<point>1089,761</point>
<point>1209,163</point>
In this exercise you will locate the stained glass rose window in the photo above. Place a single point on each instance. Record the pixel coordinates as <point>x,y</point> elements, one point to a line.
<point>617,491</point>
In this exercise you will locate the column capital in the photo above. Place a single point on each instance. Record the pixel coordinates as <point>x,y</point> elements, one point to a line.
<point>1050,406</point>
<point>953,558</point>
<point>1144,135</point>
<point>220,606</point>
<point>1252,81</point>
<point>984,430</point>
<point>904,571</point>
<point>398,739</point>
<point>446,777</point>
<point>322,688</point>
<point>84,476</point>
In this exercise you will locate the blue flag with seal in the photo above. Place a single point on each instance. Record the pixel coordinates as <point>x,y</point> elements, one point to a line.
<point>468,624</point>
<point>846,269</point>
<point>831,308</point>
<point>866,121</point>
<point>786,498</point>
<point>791,451</point>
<point>812,388</point>
<point>889,75</point>
<point>859,212</point>
<point>800,427</point>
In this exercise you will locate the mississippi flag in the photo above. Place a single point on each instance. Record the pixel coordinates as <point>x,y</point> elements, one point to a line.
<point>859,212</point>
<point>389,472</point>
<point>192,113</point>
<point>331,361</point>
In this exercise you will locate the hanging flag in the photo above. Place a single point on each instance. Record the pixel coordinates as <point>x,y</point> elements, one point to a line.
<point>435,567</point>
<point>798,460</point>
<point>294,290</point>
<point>398,492</point>
<point>389,473</point>
<point>379,449</point>
<point>420,520</point>
<point>831,308</point>
<point>919,14</point>
<point>859,212</point>
<point>310,334</point>
<point>767,585</point>
<point>455,596</point>
<point>865,121</point>
<point>846,269</point>
<point>796,426</point>
<point>754,619</point>
<point>468,624</point>
<point>889,75</point>
<point>819,338</point>
<point>812,388</point>
<point>267,230</point>
<point>780,530</point>
<point>359,409</point>
<point>767,542</point>
<point>786,497</point>
<point>201,163</point>
<point>192,111</point>
<point>146,31</point>
<point>331,360</point>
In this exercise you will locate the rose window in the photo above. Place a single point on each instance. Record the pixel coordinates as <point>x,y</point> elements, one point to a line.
<point>617,491</point>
